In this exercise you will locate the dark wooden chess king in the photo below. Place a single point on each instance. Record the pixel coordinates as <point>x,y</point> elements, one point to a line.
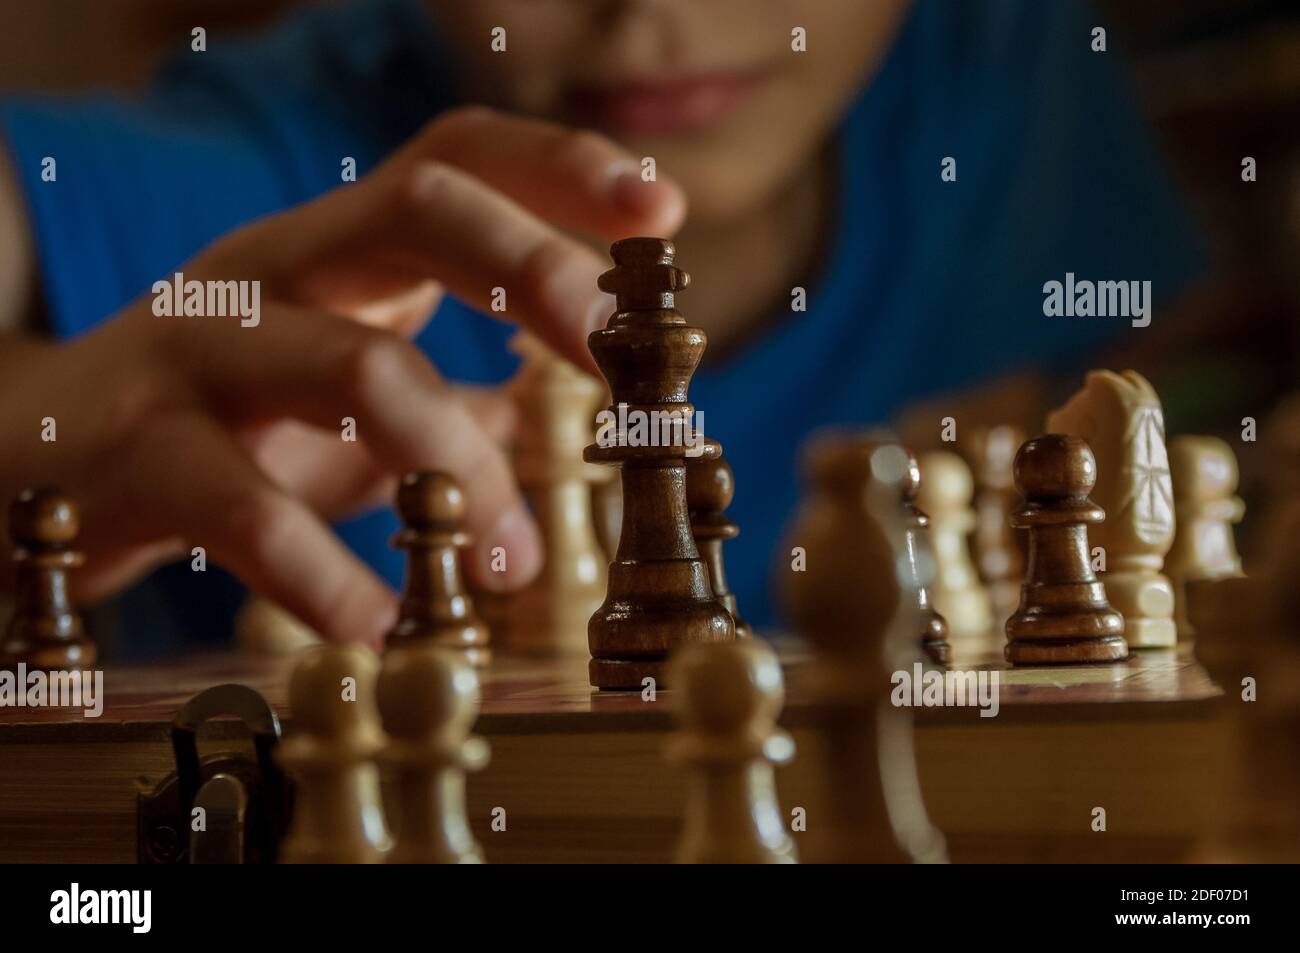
<point>1064,616</point>
<point>45,632</point>
<point>659,594</point>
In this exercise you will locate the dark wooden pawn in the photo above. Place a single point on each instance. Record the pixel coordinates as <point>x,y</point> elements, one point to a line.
<point>45,632</point>
<point>436,607</point>
<point>659,596</point>
<point>710,486</point>
<point>934,627</point>
<point>1064,616</point>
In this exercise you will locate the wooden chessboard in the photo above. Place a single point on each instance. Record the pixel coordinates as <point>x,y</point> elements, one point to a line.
<point>582,776</point>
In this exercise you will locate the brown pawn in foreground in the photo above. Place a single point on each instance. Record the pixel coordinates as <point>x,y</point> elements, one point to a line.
<point>436,608</point>
<point>920,557</point>
<point>338,811</point>
<point>429,699</point>
<point>945,495</point>
<point>999,549</point>
<point>728,696</point>
<point>659,596</point>
<point>1063,616</point>
<point>1204,474</point>
<point>854,603</point>
<point>1120,417</point>
<point>45,631</point>
<point>710,486</point>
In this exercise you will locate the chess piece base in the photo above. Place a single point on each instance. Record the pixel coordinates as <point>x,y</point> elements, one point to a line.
<point>1146,600</point>
<point>633,630</point>
<point>1151,633</point>
<point>535,625</point>
<point>1081,651</point>
<point>48,656</point>
<point>967,612</point>
<point>626,675</point>
<point>469,645</point>
<point>471,854</point>
<point>936,650</point>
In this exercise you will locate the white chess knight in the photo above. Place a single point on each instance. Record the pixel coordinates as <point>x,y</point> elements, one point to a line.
<point>1120,417</point>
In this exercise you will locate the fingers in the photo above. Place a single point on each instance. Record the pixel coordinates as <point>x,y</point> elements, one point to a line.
<point>574,178</point>
<point>378,390</point>
<point>420,223</point>
<point>498,257</point>
<point>200,485</point>
<point>476,204</point>
<point>338,479</point>
<point>493,411</point>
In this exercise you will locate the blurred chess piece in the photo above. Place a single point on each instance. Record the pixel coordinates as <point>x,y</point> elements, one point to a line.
<point>556,407</point>
<point>429,700</point>
<point>607,509</point>
<point>856,603</point>
<point>1248,639</point>
<point>338,811</point>
<point>946,493</point>
<point>710,487</point>
<point>1120,417</point>
<point>1204,474</point>
<point>933,640</point>
<point>44,631</point>
<point>728,696</point>
<point>1279,510</point>
<point>999,549</point>
<point>436,607</point>
<point>262,627</point>
<point>1064,616</point>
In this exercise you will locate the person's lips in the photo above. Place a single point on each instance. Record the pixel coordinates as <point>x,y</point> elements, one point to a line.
<point>658,107</point>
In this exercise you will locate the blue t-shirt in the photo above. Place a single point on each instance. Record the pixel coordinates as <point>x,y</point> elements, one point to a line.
<point>928,286</point>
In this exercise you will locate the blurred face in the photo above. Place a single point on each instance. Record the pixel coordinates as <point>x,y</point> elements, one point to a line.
<point>712,89</point>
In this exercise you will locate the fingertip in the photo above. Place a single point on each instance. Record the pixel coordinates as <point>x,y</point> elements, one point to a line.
<point>384,619</point>
<point>655,207</point>
<point>510,555</point>
<point>372,617</point>
<point>496,413</point>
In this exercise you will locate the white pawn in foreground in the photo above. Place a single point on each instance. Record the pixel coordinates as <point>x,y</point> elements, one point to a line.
<point>429,700</point>
<point>728,695</point>
<point>338,811</point>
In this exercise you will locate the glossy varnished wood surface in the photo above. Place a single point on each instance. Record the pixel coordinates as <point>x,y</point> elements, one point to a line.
<point>527,694</point>
<point>585,778</point>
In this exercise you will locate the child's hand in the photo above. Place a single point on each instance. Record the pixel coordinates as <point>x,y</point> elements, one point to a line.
<point>175,432</point>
